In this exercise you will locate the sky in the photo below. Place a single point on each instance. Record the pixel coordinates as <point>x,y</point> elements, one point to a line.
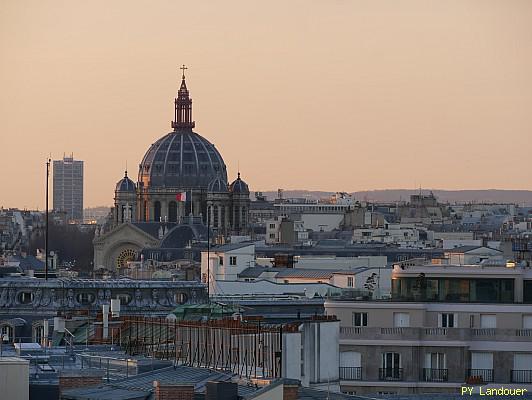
<point>338,95</point>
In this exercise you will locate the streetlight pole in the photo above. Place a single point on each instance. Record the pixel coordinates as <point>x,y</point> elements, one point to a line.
<point>46,230</point>
<point>208,253</point>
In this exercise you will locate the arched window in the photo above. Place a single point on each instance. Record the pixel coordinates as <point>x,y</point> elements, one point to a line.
<point>7,334</point>
<point>244,215</point>
<point>180,298</point>
<point>157,211</point>
<point>236,224</point>
<point>85,298</point>
<point>172,211</point>
<point>38,333</point>
<point>215,222</point>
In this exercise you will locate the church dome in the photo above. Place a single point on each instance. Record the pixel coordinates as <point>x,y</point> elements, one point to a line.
<point>125,185</point>
<point>181,159</point>
<point>239,186</point>
<point>217,185</point>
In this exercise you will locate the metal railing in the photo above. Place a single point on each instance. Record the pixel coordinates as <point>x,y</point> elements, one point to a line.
<point>479,375</point>
<point>351,373</point>
<point>390,374</point>
<point>435,375</point>
<point>521,376</point>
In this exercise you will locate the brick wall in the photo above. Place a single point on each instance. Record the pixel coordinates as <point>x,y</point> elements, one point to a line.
<point>290,392</point>
<point>72,382</point>
<point>173,392</point>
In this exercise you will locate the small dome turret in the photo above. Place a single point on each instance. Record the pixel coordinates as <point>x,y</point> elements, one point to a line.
<point>125,185</point>
<point>239,186</point>
<point>217,185</point>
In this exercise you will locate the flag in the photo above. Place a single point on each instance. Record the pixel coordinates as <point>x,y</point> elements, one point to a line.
<point>181,196</point>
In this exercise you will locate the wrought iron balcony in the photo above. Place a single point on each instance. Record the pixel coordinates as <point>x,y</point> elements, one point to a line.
<point>435,375</point>
<point>390,374</point>
<point>479,375</point>
<point>351,373</point>
<point>521,376</point>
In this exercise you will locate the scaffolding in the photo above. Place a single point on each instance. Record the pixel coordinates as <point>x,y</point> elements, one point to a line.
<point>247,349</point>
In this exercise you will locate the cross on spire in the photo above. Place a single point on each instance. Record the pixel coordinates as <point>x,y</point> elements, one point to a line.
<point>183,106</point>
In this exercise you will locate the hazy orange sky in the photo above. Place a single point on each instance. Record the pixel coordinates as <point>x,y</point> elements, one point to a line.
<point>331,95</point>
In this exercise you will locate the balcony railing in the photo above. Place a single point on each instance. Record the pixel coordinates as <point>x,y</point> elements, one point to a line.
<point>351,373</point>
<point>390,374</point>
<point>435,375</point>
<point>450,334</point>
<point>479,376</point>
<point>521,376</point>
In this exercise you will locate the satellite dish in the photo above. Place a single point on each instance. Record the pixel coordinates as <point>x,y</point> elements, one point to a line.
<point>310,294</point>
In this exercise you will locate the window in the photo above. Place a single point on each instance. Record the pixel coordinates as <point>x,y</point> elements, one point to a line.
<point>125,298</point>
<point>488,321</point>
<point>522,367</point>
<point>527,321</point>
<point>435,369</point>
<point>391,366</point>
<point>272,226</point>
<point>350,281</point>
<point>6,333</point>
<point>401,320</point>
<point>360,319</point>
<point>435,360</point>
<point>221,260</point>
<point>448,321</point>
<point>272,235</point>
<point>232,260</point>
<point>25,297</point>
<point>85,298</point>
<point>482,365</point>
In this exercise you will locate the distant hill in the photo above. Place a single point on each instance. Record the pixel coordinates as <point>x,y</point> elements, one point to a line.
<point>521,197</point>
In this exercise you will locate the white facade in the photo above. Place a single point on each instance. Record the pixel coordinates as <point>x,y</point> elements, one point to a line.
<point>473,256</point>
<point>404,236</point>
<point>14,378</point>
<point>225,263</point>
<point>312,355</point>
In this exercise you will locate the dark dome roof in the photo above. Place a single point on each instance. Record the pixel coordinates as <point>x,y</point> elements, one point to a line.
<point>217,185</point>
<point>239,186</point>
<point>181,159</point>
<point>125,185</point>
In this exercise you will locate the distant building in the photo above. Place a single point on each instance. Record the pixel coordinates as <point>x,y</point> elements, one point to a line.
<point>283,230</point>
<point>68,187</point>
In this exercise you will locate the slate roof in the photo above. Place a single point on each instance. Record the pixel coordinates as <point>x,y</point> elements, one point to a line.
<point>305,273</point>
<point>28,262</point>
<point>231,246</point>
<point>255,272</point>
<point>140,386</point>
<point>466,249</point>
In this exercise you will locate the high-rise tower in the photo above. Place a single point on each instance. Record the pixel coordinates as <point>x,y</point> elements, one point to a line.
<point>68,187</point>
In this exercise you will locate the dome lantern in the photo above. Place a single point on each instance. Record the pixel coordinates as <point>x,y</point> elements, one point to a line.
<point>183,107</point>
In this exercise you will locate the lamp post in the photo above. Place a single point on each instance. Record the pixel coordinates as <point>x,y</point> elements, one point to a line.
<point>208,253</point>
<point>46,221</point>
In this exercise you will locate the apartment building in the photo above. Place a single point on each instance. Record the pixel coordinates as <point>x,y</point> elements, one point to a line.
<point>440,330</point>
